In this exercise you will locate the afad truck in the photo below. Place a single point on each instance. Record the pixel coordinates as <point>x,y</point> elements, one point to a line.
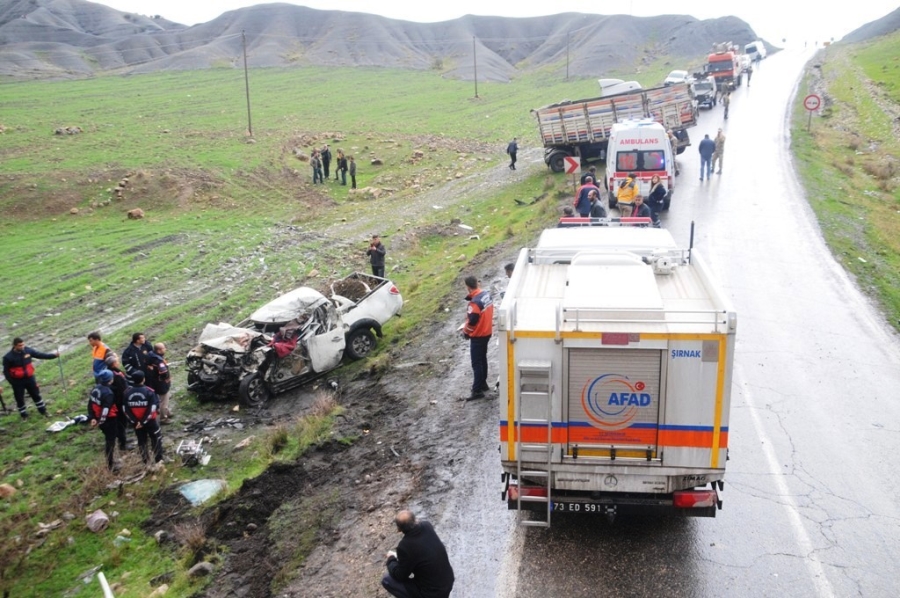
<point>616,352</point>
<point>724,64</point>
<point>581,127</point>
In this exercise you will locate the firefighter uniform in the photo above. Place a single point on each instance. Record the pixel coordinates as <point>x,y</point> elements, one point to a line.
<point>19,372</point>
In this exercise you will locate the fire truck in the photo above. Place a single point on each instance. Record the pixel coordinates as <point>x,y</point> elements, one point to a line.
<point>616,351</point>
<point>724,64</point>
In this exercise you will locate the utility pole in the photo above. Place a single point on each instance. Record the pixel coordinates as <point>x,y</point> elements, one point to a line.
<point>568,37</point>
<point>475,65</point>
<point>247,84</point>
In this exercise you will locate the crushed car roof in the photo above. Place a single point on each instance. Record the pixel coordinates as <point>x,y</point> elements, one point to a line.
<point>289,306</point>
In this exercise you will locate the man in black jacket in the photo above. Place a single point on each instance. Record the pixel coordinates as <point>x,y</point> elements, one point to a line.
<point>376,253</point>
<point>134,357</point>
<point>421,554</point>
<point>19,372</point>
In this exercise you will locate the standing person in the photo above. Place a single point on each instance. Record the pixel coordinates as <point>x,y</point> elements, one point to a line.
<point>422,555</point>
<point>726,101</point>
<point>597,209</point>
<point>342,166</point>
<point>352,173</point>
<point>673,141</point>
<point>102,414</point>
<point>625,194</point>
<point>337,162</point>
<point>582,203</point>
<point>641,210</point>
<point>159,379</point>
<point>749,73</point>
<point>512,149</point>
<point>134,357</point>
<point>592,173</point>
<point>478,328</point>
<point>118,385</point>
<point>316,162</point>
<point>141,407</point>
<point>19,372</point>
<point>719,154</point>
<point>376,254</point>
<point>326,159</point>
<point>706,149</point>
<point>99,352</point>
<point>656,198</point>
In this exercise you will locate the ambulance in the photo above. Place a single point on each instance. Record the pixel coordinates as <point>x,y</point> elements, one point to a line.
<point>642,148</point>
<point>616,352</point>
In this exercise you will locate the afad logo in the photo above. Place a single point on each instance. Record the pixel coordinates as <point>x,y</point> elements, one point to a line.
<point>611,401</point>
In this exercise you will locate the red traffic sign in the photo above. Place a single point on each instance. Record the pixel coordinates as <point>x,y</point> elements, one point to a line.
<point>812,102</point>
<point>572,164</point>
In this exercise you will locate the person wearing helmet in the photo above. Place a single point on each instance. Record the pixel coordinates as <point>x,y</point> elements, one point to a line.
<point>102,413</point>
<point>141,410</point>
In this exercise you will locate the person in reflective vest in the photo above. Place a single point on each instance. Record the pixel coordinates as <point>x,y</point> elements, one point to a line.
<point>19,372</point>
<point>141,410</point>
<point>478,328</point>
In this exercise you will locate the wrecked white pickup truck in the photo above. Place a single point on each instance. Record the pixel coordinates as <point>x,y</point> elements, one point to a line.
<point>291,340</point>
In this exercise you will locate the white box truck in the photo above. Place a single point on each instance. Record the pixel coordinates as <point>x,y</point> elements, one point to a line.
<point>616,352</point>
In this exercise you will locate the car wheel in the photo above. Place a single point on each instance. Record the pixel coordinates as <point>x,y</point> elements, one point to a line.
<point>253,391</point>
<point>360,343</point>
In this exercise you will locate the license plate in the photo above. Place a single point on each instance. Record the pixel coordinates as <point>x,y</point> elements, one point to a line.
<point>577,507</point>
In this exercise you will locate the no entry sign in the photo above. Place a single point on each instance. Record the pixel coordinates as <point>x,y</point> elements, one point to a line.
<point>812,102</point>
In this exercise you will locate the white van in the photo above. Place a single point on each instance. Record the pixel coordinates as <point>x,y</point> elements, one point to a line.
<point>755,50</point>
<point>642,148</point>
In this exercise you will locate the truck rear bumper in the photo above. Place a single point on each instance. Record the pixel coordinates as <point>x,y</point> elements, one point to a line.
<point>703,502</point>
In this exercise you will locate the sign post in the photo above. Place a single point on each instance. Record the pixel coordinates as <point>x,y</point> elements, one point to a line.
<point>812,102</point>
<point>573,167</point>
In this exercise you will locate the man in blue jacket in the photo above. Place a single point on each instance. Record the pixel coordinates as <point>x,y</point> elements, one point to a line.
<point>706,149</point>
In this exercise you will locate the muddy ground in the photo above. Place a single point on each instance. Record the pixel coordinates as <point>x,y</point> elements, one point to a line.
<point>320,526</point>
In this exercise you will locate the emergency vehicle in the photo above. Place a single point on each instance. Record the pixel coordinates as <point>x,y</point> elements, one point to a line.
<point>641,148</point>
<point>616,352</point>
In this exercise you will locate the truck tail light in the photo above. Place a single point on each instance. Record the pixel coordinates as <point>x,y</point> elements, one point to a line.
<point>394,290</point>
<point>515,490</point>
<point>688,499</point>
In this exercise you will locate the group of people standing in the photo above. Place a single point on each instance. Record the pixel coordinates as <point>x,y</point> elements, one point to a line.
<point>712,154</point>
<point>320,161</point>
<point>130,393</point>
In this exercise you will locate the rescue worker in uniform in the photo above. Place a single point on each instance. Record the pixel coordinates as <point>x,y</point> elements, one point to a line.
<point>625,195</point>
<point>19,372</point>
<point>478,328</point>
<point>99,353</point>
<point>102,413</point>
<point>134,357</point>
<point>118,386</point>
<point>141,410</point>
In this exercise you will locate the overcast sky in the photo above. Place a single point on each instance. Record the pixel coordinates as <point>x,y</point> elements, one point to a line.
<point>773,20</point>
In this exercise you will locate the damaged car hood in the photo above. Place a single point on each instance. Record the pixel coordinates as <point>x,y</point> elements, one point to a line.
<point>226,337</point>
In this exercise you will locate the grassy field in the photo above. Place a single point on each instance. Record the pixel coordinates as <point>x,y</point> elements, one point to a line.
<point>849,163</point>
<point>231,221</point>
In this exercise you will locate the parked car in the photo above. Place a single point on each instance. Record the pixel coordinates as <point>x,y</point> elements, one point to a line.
<point>704,91</point>
<point>291,340</point>
<point>676,77</point>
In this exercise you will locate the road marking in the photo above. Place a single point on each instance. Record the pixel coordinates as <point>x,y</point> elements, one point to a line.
<point>820,581</point>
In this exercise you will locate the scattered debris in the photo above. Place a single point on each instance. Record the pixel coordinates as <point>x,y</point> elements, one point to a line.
<point>46,528</point>
<point>192,453</point>
<point>200,491</point>
<point>97,521</point>
<point>465,227</point>
<point>203,425</point>
<point>68,131</point>
<point>244,443</point>
<point>201,570</point>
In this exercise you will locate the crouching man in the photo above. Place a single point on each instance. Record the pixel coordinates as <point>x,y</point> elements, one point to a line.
<point>141,410</point>
<point>421,554</point>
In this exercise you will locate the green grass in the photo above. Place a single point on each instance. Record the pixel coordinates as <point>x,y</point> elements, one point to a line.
<point>848,163</point>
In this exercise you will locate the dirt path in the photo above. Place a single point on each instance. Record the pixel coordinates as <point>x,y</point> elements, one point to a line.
<point>416,446</point>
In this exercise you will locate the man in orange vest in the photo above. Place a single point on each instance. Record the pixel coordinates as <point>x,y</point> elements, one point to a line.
<point>478,328</point>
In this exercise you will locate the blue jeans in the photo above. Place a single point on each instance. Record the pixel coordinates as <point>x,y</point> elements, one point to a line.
<point>705,166</point>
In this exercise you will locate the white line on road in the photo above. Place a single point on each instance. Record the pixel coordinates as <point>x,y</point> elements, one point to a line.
<point>820,581</point>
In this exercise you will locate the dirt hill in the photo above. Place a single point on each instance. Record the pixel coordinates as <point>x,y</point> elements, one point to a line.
<point>74,38</point>
<point>883,26</point>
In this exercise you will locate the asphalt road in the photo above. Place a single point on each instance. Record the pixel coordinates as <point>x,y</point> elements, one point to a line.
<point>810,501</point>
